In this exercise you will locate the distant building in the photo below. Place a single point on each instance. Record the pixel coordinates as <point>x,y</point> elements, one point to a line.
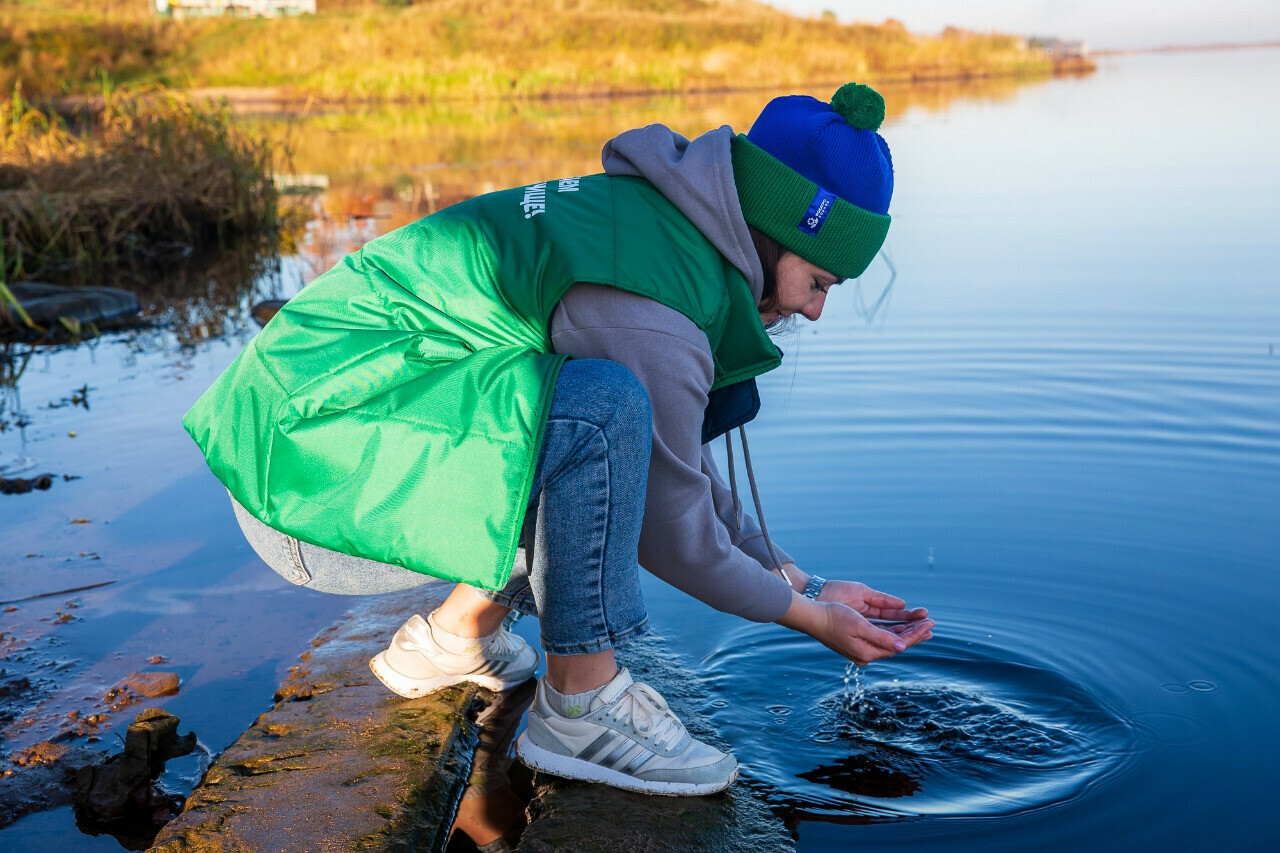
<point>242,8</point>
<point>1060,49</point>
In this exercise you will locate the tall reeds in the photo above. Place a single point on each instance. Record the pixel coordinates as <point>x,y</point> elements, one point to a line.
<point>501,49</point>
<point>148,178</point>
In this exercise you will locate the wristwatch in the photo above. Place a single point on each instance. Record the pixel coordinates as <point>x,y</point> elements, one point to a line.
<point>814,587</point>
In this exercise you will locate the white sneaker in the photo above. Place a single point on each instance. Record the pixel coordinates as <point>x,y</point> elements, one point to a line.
<point>629,739</point>
<point>415,664</point>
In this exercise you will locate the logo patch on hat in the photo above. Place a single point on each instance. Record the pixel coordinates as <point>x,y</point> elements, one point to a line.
<point>821,205</point>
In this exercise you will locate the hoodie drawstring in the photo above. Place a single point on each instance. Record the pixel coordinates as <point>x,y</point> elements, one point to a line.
<point>755,497</point>
<point>733,481</point>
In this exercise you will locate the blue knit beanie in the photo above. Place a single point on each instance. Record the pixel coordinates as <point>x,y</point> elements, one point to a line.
<point>817,177</point>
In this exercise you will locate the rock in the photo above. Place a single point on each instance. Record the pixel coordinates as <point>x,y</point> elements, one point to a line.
<point>339,763</point>
<point>265,310</point>
<point>150,685</point>
<point>119,796</point>
<point>16,692</point>
<point>21,485</point>
<point>46,303</point>
<point>39,779</point>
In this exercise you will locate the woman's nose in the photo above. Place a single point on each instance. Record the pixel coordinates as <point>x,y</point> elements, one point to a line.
<point>813,310</point>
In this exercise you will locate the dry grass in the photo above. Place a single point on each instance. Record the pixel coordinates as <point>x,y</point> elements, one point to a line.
<point>465,49</point>
<point>149,178</point>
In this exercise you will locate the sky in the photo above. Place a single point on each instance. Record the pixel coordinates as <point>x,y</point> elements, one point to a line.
<point>1104,24</point>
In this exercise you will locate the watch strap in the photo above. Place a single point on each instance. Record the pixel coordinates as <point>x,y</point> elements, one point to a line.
<point>814,587</point>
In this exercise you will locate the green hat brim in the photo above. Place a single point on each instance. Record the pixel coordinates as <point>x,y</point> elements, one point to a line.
<point>776,199</point>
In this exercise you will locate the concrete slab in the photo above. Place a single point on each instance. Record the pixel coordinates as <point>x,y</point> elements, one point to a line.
<point>339,762</point>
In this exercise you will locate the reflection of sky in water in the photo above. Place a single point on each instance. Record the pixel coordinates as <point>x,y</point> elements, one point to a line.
<point>1059,433</point>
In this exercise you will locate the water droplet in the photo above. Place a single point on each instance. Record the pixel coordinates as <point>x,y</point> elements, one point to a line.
<point>1202,686</point>
<point>853,697</point>
<point>1174,687</point>
<point>929,560</point>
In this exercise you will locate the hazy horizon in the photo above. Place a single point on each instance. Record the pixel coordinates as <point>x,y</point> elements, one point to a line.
<point>1132,24</point>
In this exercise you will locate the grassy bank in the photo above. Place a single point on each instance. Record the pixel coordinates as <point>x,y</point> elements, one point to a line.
<point>147,181</point>
<point>466,49</point>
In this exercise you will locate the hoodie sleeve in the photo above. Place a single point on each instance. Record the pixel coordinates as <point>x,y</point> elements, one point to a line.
<point>683,540</point>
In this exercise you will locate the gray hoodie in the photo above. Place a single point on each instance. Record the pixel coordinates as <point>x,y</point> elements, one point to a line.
<point>688,538</point>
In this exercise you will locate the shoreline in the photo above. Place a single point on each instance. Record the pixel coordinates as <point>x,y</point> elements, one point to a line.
<point>266,100</point>
<point>1187,48</point>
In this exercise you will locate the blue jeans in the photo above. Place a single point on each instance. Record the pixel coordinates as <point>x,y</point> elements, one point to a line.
<point>585,508</point>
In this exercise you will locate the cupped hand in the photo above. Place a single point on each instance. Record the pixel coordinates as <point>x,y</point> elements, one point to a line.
<point>847,632</point>
<point>871,603</point>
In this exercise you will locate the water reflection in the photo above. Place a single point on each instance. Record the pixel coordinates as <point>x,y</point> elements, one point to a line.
<point>881,773</point>
<point>491,816</point>
<point>394,165</point>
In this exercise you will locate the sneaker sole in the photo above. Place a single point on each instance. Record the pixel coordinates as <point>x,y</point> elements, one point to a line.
<point>575,768</point>
<point>412,688</point>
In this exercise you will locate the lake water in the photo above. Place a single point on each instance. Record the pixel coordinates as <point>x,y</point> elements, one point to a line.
<point>1059,430</point>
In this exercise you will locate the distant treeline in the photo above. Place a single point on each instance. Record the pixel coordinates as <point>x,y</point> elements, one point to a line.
<point>464,49</point>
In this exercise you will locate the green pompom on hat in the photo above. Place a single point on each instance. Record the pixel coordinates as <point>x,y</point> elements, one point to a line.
<point>817,177</point>
<point>861,106</point>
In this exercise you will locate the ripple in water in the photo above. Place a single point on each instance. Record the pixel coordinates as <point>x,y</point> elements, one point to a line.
<point>950,729</point>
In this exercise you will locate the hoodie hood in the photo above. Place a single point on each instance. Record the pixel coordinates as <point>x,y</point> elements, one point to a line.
<point>697,177</point>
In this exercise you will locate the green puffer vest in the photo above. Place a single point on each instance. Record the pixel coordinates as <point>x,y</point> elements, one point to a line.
<point>394,408</point>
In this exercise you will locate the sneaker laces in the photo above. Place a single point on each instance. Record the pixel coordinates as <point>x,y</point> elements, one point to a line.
<point>649,714</point>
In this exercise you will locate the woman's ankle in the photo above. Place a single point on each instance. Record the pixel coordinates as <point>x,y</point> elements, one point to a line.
<point>570,674</point>
<point>466,613</point>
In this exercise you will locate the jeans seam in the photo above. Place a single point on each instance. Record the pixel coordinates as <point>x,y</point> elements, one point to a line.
<point>604,544</point>
<point>300,573</point>
<point>575,454</point>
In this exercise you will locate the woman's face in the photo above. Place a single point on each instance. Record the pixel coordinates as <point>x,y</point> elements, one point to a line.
<point>802,289</point>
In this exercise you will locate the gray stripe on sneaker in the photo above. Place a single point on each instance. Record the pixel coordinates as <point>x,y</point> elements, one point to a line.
<point>592,750</point>
<point>499,668</point>
<point>612,759</point>
<point>634,765</point>
<point>630,756</point>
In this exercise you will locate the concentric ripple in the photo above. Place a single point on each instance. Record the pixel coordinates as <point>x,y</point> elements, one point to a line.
<point>956,728</point>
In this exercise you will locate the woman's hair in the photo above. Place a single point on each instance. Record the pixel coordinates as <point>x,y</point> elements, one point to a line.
<point>770,252</point>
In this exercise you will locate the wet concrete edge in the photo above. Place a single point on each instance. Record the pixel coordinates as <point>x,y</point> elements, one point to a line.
<point>339,762</point>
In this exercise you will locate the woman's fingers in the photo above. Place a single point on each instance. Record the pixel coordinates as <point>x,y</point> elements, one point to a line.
<point>918,632</point>
<point>879,643</point>
<point>859,628</point>
<point>844,630</point>
<point>897,615</point>
<point>875,598</point>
